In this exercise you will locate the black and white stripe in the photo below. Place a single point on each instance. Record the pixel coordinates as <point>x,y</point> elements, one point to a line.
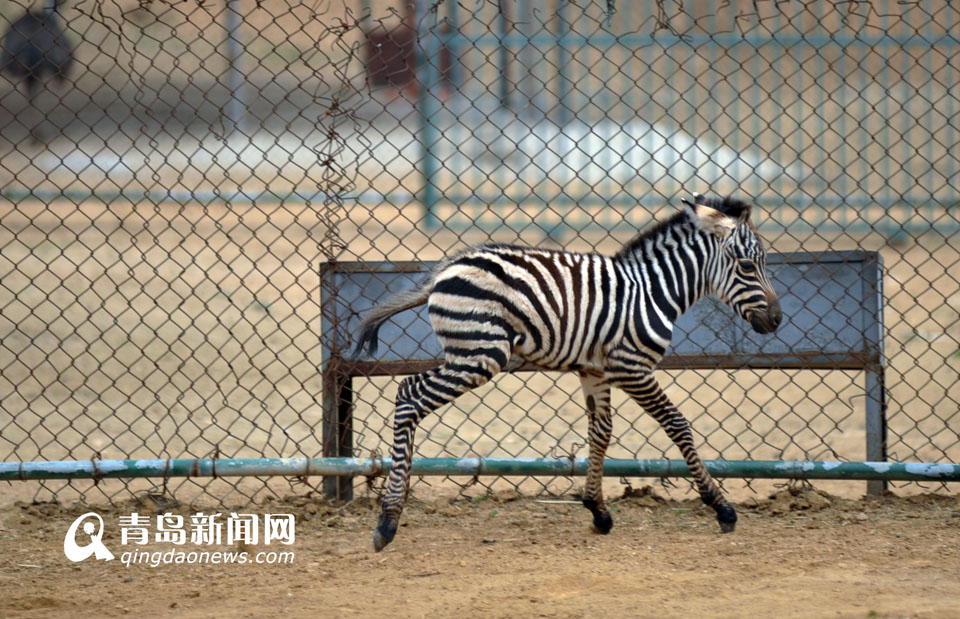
<point>610,318</point>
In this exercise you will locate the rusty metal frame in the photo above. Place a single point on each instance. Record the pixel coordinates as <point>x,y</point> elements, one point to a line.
<point>339,368</point>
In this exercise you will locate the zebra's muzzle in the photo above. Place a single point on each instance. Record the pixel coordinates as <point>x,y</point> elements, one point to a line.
<point>767,321</point>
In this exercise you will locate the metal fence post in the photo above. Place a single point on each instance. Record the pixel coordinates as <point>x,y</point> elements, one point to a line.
<point>563,84</point>
<point>337,397</point>
<point>876,425</point>
<point>337,428</point>
<point>428,46</point>
<point>503,81</point>
<point>235,105</point>
<point>875,384</point>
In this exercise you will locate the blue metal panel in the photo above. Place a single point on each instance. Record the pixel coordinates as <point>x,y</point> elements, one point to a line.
<point>830,315</point>
<point>408,336</point>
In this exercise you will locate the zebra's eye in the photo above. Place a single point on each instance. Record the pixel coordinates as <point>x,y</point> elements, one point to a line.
<point>748,266</point>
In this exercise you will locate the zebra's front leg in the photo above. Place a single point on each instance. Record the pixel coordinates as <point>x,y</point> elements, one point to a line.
<point>647,392</point>
<point>597,395</point>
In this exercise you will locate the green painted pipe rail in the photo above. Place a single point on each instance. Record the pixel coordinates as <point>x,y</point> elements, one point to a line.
<point>262,467</point>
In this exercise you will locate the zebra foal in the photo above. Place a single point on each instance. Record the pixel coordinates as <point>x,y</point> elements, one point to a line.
<point>609,318</point>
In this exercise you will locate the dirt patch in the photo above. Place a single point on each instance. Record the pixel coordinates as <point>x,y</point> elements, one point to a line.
<point>797,552</point>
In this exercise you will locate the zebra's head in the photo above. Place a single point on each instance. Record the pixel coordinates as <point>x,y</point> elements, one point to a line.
<point>739,274</point>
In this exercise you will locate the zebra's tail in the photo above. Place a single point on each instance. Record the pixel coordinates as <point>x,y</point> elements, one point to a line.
<point>408,299</point>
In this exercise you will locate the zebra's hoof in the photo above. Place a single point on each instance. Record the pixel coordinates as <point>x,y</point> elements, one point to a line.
<point>379,540</point>
<point>727,517</point>
<point>602,522</point>
<point>384,533</point>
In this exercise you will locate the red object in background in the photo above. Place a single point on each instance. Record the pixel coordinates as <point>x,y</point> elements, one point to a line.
<point>390,58</point>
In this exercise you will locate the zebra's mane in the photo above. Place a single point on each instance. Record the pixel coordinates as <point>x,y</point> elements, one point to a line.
<point>638,241</point>
<point>729,206</point>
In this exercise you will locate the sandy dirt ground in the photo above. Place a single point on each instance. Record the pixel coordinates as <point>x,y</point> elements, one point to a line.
<point>797,553</point>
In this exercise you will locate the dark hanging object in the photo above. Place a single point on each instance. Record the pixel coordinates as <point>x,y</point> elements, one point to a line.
<point>35,48</point>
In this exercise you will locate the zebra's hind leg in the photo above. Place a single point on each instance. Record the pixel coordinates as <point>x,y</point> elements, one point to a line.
<point>417,396</point>
<point>597,395</point>
<point>647,392</point>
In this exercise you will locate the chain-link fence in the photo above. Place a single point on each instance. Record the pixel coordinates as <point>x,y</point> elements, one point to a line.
<point>167,205</point>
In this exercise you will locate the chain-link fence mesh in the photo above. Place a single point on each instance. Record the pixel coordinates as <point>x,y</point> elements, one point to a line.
<point>167,204</point>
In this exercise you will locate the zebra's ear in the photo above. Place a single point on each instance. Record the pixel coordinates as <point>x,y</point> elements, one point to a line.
<point>737,209</point>
<point>709,219</point>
